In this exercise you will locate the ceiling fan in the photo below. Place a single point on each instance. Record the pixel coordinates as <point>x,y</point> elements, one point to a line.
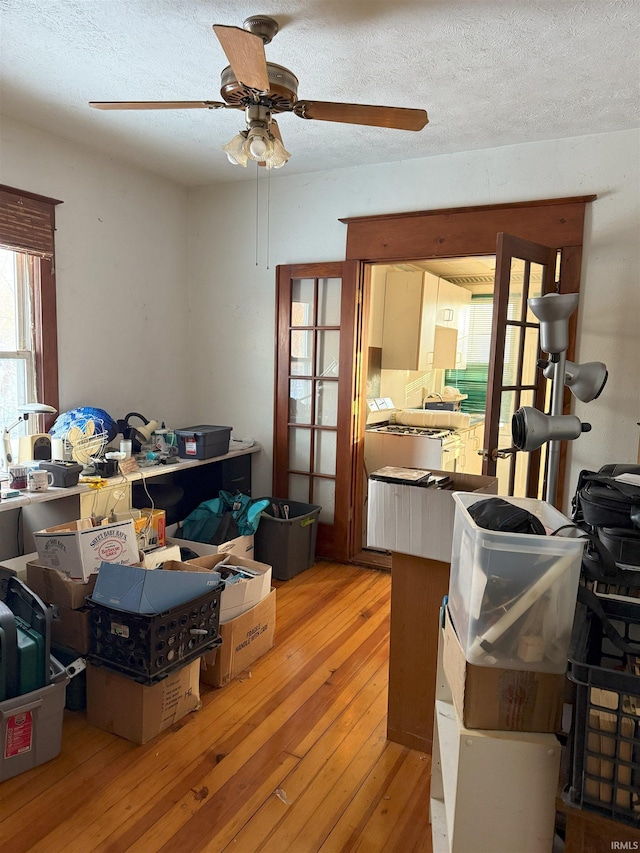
<point>263,89</point>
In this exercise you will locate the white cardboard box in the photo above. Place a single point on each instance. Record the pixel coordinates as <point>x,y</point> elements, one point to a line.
<point>77,548</point>
<point>416,520</point>
<point>237,597</point>
<point>242,545</point>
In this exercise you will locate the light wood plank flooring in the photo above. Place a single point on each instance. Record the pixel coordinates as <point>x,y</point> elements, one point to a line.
<point>290,758</point>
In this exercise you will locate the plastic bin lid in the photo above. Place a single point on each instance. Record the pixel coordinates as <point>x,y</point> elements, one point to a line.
<point>201,429</point>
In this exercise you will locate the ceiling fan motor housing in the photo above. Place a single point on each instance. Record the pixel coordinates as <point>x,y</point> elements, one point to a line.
<point>282,94</point>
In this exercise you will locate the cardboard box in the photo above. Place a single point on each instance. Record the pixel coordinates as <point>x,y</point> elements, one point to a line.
<point>242,595</point>
<point>500,699</point>
<point>78,548</point>
<point>56,587</point>
<point>242,545</point>
<point>416,520</point>
<point>137,590</point>
<point>244,640</point>
<point>139,712</point>
<point>150,528</point>
<point>71,629</point>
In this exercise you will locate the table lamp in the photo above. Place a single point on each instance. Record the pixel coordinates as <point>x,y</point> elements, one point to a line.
<point>25,410</point>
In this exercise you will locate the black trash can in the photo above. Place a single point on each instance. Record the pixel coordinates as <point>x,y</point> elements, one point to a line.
<point>286,537</point>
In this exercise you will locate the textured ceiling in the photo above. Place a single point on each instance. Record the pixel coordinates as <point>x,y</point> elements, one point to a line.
<point>489,73</point>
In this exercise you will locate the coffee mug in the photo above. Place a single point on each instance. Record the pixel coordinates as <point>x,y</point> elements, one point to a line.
<point>17,476</point>
<point>39,481</point>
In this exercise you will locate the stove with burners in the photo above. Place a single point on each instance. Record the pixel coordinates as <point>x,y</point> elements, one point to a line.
<point>402,429</point>
<point>404,446</point>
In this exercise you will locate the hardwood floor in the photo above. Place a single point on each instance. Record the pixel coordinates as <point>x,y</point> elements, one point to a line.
<point>290,758</point>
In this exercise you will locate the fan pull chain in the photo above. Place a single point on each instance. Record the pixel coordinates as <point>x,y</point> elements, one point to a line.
<point>257,208</point>
<point>268,214</point>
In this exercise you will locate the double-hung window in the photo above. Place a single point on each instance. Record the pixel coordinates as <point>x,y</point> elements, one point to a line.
<point>28,334</point>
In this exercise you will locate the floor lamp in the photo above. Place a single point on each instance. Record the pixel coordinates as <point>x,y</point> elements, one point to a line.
<point>531,428</point>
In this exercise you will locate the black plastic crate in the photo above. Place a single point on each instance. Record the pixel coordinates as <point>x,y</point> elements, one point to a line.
<point>148,648</point>
<point>605,749</point>
<point>286,537</point>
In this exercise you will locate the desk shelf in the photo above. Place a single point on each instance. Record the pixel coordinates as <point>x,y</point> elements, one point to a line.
<point>491,791</point>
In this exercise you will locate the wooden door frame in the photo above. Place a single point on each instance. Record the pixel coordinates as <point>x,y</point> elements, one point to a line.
<point>460,232</point>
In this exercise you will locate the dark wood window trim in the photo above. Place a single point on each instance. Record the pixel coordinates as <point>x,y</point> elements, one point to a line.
<point>27,224</point>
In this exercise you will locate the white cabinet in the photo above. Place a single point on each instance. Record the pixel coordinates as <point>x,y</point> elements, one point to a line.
<point>473,442</point>
<point>452,325</point>
<point>426,322</point>
<point>491,791</point>
<point>409,320</point>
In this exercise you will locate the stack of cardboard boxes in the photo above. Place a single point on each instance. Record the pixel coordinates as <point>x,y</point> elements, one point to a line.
<point>64,575</point>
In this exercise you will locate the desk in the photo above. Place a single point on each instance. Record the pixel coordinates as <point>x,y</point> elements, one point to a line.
<point>201,479</point>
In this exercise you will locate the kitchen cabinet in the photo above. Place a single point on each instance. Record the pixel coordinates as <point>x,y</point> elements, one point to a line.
<point>471,462</point>
<point>452,313</point>
<point>426,322</point>
<point>410,304</point>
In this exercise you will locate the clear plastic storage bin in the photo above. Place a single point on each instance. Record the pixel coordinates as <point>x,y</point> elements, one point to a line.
<point>512,596</point>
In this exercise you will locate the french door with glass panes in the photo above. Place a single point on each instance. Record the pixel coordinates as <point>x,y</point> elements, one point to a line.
<point>523,270</point>
<point>317,315</point>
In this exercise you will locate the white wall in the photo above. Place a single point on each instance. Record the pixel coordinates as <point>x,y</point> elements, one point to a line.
<point>136,334</point>
<point>232,299</point>
<point>121,253</point>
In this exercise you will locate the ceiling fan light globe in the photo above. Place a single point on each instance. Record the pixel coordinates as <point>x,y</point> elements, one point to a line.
<point>258,148</point>
<point>278,156</point>
<point>235,150</point>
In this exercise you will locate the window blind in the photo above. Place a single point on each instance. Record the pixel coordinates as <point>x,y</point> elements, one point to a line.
<point>472,381</point>
<point>474,378</point>
<point>27,222</point>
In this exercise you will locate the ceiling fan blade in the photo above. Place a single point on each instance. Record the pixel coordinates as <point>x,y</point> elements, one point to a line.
<point>401,118</point>
<point>275,130</point>
<point>245,52</point>
<point>157,105</point>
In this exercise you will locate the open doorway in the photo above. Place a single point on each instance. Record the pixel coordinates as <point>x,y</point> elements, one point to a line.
<point>428,360</point>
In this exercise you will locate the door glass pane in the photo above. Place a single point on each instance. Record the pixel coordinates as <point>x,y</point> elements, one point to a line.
<point>325,452</point>
<point>329,296</point>
<point>326,403</point>
<point>530,360</point>
<point>514,308</point>
<point>328,354</point>
<point>511,353</point>
<point>298,488</point>
<point>535,289</point>
<point>527,398</point>
<point>507,399</point>
<point>521,471</point>
<point>324,494</point>
<point>301,353</point>
<point>302,290</point>
<point>300,449</point>
<point>300,391</point>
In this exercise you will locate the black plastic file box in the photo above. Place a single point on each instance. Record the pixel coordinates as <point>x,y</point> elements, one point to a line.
<point>286,537</point>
